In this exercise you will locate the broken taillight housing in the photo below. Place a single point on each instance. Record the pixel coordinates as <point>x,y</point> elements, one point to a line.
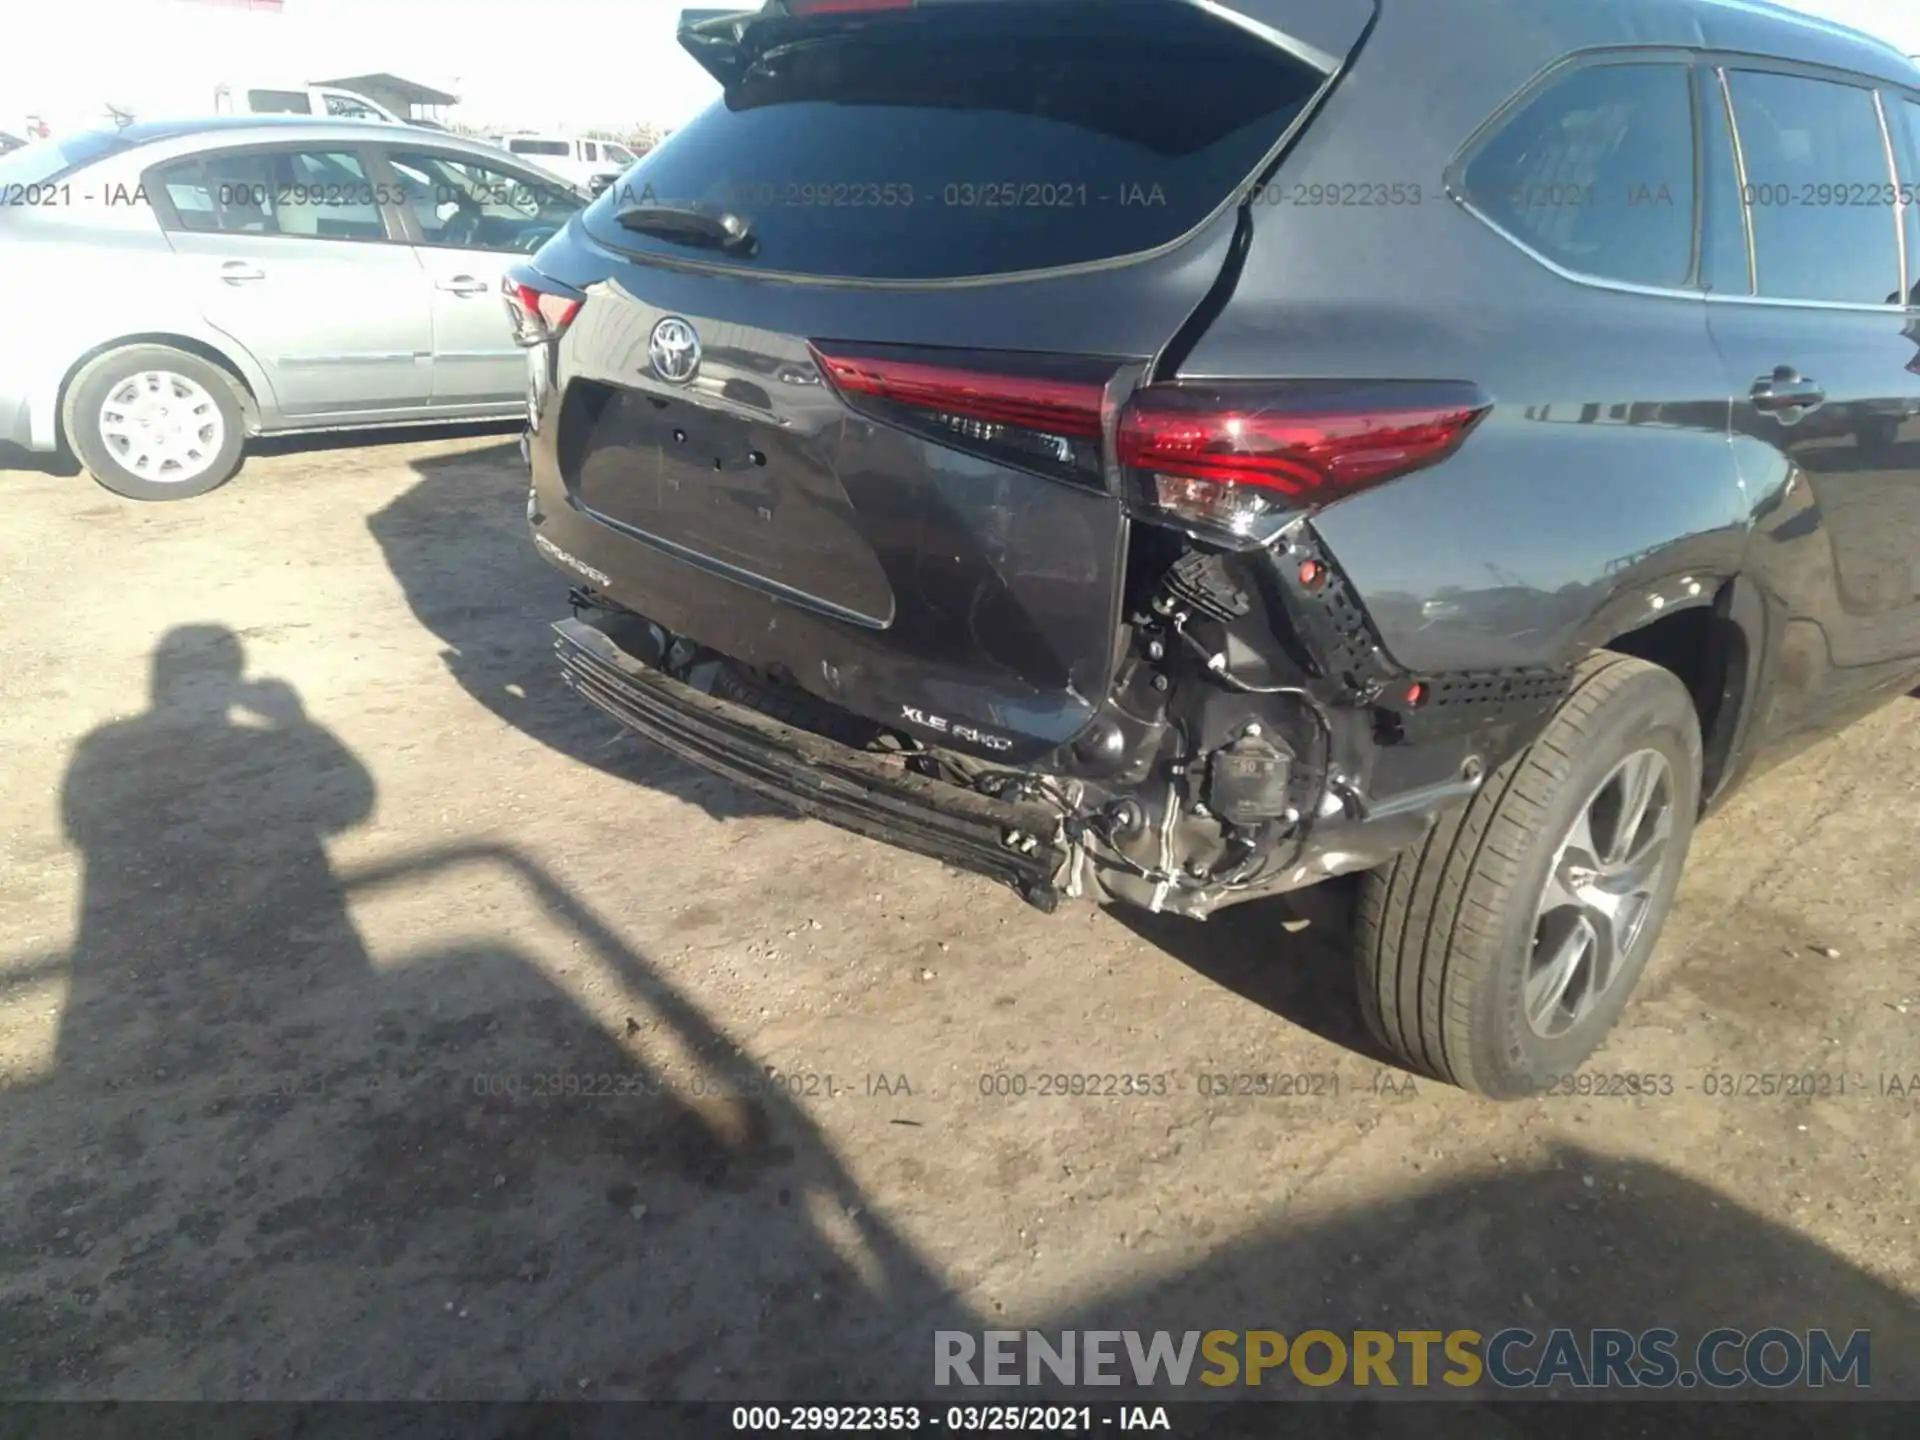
<point>1035,412</point>
<point>1229,460</point>
<point>540,308</point>
<point>1236,459</point>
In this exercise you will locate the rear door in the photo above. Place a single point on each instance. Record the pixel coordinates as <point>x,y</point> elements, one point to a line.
<point>467,219</point>
<point>860,442</point>
<point>1821,361</point>
<point>288,250</point>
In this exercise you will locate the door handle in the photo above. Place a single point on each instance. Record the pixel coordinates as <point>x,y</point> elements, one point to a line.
<point>234,271</point>
<point>1787,390</point>
<point>464,285</point>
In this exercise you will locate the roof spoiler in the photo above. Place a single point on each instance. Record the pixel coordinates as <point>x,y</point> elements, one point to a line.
<point>1320,33</point>
<point>718,39</point>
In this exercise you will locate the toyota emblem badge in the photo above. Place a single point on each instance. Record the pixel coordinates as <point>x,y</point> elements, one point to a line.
<point>674,350</point>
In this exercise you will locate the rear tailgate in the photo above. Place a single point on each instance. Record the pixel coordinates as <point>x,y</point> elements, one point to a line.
<point>884,474</point>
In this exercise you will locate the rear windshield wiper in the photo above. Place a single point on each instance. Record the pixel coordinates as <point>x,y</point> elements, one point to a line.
<point>688,226</point>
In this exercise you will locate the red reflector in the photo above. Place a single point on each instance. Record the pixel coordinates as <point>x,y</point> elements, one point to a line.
<point>1416,694</point>
<point>1055,407</point>
<point>1312,573</point>
<point>1290,438</point>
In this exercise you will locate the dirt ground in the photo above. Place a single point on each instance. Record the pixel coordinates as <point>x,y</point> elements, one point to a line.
<point>377,1021</point>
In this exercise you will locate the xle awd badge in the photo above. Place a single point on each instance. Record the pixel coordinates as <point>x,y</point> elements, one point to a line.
<point>674,350</point>
<point>959,729</point>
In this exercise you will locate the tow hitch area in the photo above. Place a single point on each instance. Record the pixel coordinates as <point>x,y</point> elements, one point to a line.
<point>779,742</point>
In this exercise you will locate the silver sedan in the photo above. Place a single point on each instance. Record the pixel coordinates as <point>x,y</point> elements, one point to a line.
<point>171,290</point>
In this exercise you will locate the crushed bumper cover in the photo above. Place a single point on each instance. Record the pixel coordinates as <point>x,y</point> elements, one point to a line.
<point>1015,842</point>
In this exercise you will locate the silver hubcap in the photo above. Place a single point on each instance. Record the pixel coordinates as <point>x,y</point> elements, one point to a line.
<point>162,426</point>
<point>1598,894</point>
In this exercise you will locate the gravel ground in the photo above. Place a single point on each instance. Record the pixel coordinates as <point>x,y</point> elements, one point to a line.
<point>377,1021</point>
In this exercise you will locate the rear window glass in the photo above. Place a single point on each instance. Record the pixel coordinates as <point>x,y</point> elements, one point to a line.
<point>1597,174</point>
<point>538,147</point>
<point>974,140</point>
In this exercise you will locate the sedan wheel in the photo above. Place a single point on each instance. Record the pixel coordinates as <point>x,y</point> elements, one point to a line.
<point>162,426</point>
<point>154,423</point>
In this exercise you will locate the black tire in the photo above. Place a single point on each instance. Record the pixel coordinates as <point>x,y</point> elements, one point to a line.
<point>80,421</point>
<point>1446,933</point>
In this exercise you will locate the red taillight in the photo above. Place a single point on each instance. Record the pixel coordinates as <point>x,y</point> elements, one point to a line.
<point>539,314</point>
<point>1034,412</point>
<point>1231,456</point>
<point>1053,406</point>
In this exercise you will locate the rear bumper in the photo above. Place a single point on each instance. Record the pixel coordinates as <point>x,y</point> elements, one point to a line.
<point>1015,842</point>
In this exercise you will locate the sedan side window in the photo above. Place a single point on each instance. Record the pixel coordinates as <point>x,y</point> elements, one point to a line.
<point>1596,173</point>
<point>1819,187</point>
<point>465,204</point>
<point>317,195</point>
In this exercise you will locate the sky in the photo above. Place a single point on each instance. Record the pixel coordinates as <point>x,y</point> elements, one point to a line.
<point>527,63</point>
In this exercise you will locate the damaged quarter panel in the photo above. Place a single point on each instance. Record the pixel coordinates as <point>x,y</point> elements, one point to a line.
<point>1604,467</point>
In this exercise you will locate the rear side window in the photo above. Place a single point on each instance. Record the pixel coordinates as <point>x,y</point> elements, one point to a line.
<point>963,140</point>
<point>1596,173</point>
<point>279,102</point>
<point>1819,189</point>
<point>312,194</point>
<point>537,147</point>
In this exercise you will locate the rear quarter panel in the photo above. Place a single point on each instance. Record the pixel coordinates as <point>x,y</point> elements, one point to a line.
<point>88,272</point>
<point>1604,469</point>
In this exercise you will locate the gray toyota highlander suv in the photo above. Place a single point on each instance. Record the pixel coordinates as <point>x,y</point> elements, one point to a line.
<point>1177,451</point>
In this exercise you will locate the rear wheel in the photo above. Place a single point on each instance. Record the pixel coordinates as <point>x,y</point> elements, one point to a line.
<point>1498,955</point>
<point>154,423</point>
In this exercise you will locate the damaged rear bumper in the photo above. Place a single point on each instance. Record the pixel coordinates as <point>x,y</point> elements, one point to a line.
<point>1017,842</point>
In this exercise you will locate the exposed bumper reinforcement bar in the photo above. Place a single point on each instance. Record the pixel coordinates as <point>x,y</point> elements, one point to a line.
<point>1016,842</point>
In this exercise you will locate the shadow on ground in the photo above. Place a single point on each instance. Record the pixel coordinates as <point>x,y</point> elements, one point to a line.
<point>1290,954</point>
<point>457,541</point>
<point>260,1164</point>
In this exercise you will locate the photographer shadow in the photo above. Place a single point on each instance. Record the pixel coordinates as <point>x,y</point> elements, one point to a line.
<point>261,1163</point>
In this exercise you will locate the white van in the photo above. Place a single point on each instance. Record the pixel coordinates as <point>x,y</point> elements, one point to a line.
<point>321,101</point>
<point>592,164</point>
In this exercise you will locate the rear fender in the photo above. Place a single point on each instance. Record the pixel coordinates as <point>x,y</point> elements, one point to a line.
<point>250,386</point>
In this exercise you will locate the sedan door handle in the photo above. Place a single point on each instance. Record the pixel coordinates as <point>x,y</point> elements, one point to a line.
<point>234,271</point>
<point>1787,389</point>
<point>464,285</point>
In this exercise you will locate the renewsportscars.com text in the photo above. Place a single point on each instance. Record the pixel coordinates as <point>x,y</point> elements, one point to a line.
<point>1512,1359</point>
